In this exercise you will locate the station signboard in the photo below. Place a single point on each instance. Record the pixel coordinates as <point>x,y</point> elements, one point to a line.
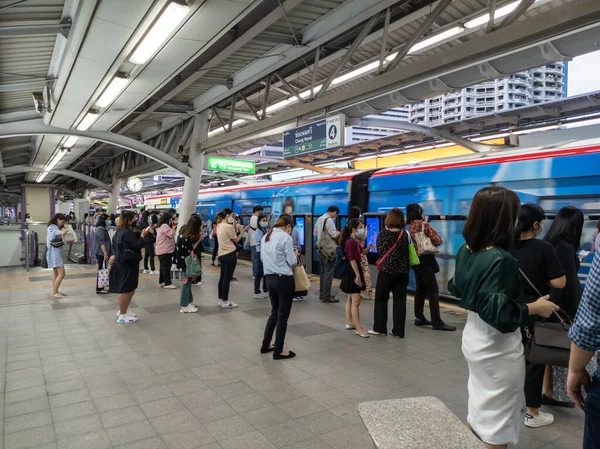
<point>230,165</point>
<point>326,134</point>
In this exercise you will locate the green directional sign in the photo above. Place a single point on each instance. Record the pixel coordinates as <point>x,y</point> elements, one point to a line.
<point>231,165</point>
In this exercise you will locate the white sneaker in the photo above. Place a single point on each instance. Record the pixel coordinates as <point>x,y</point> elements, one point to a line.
<point>541,420</point>
<point>189,309</point>
<point>155,272</point>
<point>372,332</point>
<point>193,304</point>
<point>127,313</point>
<point>126,319</point>
<point>298,298</point>
<point>262,295</point>
<point>227,305</point>
<point>147,272</point>
<point>198,283</point>
<point>170,287</point>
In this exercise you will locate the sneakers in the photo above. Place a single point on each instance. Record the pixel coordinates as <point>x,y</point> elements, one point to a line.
<point>197,283</point>
<point>227,305</point>
<point>155,272</point>
<point>189,309</point>
<point>146,272</point>
<point>170,287</point>
<point>541,420</point>
<point>298,299</point>
<point>262,295</point>
<point>127,313</point>
<point>126,319</point>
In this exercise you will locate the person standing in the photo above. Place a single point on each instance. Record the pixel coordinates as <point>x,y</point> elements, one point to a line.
<point>261,230</point>
<point>215,251</point>
<point>151,223</point>
<point>55,254</point>
<point>102,248</point>
<point>165,248</point>
<point>126,271</point>
<point>392,245</point>
<point>188,243</point>
<point>488,284</point>
<point>425,271</point>
<point>585,338</point>
<point>278,258</point>
<point>565,235</point>
<point>353,282</point>
<point>228,238</point>
<point>327,234</point>
<point>256,212</point>
<point>539,262</point>
<point>298,251</point>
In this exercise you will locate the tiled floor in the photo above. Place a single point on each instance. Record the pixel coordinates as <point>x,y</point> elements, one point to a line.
<point>74,378</point>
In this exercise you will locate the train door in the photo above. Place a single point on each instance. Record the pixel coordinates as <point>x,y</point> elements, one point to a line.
<point>374,224</point>
<point>304,226</point>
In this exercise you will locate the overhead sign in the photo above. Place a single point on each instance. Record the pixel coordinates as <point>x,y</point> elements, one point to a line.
<point>323,135</point>
<point>231,165</point>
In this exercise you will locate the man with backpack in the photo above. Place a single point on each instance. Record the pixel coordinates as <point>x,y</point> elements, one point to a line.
<point>256,211</point>
<point>327,235</point>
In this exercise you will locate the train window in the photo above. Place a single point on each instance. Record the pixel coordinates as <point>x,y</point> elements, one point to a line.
<point>373,225</point>
<point>586,204</point>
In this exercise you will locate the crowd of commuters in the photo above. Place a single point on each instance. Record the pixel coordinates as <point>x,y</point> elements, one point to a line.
<point>506,277</point>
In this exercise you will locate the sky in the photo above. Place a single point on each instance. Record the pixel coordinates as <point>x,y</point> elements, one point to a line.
<point>583,74</point>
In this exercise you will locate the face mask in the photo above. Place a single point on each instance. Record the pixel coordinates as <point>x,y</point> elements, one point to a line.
<point>264,224</point>
<point>230,220</point>
<point>360,232</point>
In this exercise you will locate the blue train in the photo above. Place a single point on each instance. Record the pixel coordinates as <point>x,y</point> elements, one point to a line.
<point>567,175</point>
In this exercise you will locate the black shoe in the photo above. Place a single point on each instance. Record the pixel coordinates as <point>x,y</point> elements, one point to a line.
<point>330,300</point>
<point>291,355</point>
<point>422,322</point>
<point>396,335</point>
<point>553,402</point>
<point>234,279</point>
<point>267,350</point>
<point>444,327</point>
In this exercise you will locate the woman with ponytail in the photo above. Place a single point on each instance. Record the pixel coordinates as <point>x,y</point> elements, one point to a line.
<point>278,258</point>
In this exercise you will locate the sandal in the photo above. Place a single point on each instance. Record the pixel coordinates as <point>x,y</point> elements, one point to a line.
<point>57,296</point>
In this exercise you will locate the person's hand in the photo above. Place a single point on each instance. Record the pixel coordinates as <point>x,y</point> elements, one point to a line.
<point>202,235</point>
<point>371,246</point>
<point>358,281</point>
<point>111,260</point>
<point>106,258</point>
<point>144,232</point>
<point>64,231</point>
<point>543,307</point>
<point>576,381</point>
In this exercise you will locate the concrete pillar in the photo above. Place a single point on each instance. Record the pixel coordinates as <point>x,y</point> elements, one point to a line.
<point>113,196</point>
<point>189,198</point>
<point>38,200</point>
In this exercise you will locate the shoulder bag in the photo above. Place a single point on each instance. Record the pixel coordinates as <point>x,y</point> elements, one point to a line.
<point>413,258</point>
<point>326,246</point>
<point>549,344</point>
<point>424,244</point>
<point>388,252</point>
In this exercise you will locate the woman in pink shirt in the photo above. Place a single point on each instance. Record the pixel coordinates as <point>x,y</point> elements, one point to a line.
<point>165,248</point>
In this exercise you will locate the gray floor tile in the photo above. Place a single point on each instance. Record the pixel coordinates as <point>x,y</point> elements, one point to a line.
<point>249,402</point>
<point>150,443</point>
<point>92,440</point>
<point>25,382</point>
<point>72,397</point>
<point>78,426</point>
<point>213,412</point>
<point>233,390</point>
<point>191,438</point>
<point>252,440</point>
<point>174,422</point>
<point>30,438</point>
<point>73,411</point>
<point>227,428</point>
<point>162,407</point>
<point>322,422</point>
<point>287,433</point>
<point>25,407</point>
<point>348,437</point>
<point>152,394</point>
<point>115,418</point>
<point>309,329</point>
<point>128,433</point>
<point>25,394</point>
<point>266,417</point>
<point>29,421</point>
<point>300,407</point>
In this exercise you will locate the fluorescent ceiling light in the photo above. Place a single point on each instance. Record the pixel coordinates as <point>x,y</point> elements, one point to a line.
<point>594,121</point>
<point>70,141</point>
<point>366,158</point>
<point>41,176</point>
<point>87,121</point>
<point>114,88</point>
<point>535,130</point>
<point>485,18</point>
<point>436,38</point>
<point>493,136</point>
<point>356,73</point>
<point>170,18</point>
<point>220,129</point>
<point>56,159</point>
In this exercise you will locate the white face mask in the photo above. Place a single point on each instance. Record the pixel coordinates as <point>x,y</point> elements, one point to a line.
<point>230,220</point>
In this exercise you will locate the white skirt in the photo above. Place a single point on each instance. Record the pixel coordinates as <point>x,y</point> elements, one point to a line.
<point>496,380</point>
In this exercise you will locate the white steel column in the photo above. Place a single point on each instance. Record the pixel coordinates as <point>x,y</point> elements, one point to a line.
<point>189,198</point>
<point>113,196</point>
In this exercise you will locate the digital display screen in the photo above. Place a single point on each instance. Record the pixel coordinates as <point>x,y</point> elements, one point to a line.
<point>373,225</point>
<point>300,223</point>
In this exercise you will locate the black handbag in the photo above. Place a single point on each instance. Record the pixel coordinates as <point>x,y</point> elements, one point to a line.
<point>549,344</point>
<point>57,242</point>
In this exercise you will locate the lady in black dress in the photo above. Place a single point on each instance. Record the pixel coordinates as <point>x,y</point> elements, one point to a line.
<point>353,282</point>
<point>188,241</point>
<point>128,254</point>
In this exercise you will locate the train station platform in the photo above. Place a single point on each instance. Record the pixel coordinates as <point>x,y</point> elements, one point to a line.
<point>74,378</point>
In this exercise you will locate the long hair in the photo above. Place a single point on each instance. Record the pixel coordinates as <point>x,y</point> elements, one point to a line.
<point>54,220</point>
<point>347,231</point>
<point>283,221</point>
<point>192,228</point>
<point>124,219</point>
<point>567,226</point>
<point>528,216</point>
<point>414,211</point>
<point>101,220</point>
<point>491,220</point>
<point>355,212</point>
<point>165,218</point>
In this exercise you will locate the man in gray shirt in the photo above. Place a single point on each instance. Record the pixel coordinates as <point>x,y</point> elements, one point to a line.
<point>256,211</point>
<point>327,234</point>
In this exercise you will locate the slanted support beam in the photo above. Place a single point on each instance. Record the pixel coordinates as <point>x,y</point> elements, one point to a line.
<point>278,39</point>
<point>424,28</point>
<point>28,85</point>
<point>266,99</point>
<point>290,88</point>
<point>490,25</point>
<point>518,12</point>
<point>315,69</point>
<point>254,113</point>
<point>383,51</point>
<point>32,30</point>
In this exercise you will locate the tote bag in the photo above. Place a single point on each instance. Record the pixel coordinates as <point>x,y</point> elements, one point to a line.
<point>301,281</point>
<point>413,258</point>
<point>103,277</point>
<point>424,243</point>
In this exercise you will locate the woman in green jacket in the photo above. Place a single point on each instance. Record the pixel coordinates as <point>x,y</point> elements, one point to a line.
<point>488,283</point>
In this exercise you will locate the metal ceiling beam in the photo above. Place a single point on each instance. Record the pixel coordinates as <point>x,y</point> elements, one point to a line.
<point>37,127</point>
<point>518,12</point>
<point>278,39</point>
<point>561,22</point>
<point>32,30</point>
<point>490,25</point>
<point>28,85</point>
<point>56,171</point>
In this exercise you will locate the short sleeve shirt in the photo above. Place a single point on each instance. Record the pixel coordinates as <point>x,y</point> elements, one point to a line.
<point>225,235</point>
<point>540,263</point>
<point>353,250</point>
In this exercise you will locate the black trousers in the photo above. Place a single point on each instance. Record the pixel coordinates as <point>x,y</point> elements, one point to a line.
<point>215,248</point>
<point>165,261</point>
<point>228,263</point>
<point>149,256</point>
<point>260,274</point>
<point>534,379</point>
<point>281,292</point>
<point>427,287</point>
<point>396,284</point>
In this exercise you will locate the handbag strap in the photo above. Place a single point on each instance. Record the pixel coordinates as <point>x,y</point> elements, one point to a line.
<point>389,251</point>
<point>566,320</point>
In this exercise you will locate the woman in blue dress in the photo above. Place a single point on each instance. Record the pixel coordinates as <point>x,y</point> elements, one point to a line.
<point>55,256</point>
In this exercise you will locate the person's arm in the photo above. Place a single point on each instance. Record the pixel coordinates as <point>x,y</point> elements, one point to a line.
<point>290,255</point>
<point>330,228</point>
<point>236,238</point>
<point>554,270</point>
<point>572,289</point>
<point>433,235</point>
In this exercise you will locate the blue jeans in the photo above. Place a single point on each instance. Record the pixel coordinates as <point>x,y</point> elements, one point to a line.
<point>591,433</point>
<point>254,259</point>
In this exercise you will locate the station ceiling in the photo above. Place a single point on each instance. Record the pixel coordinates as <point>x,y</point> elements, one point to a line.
<point>252,64</point>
